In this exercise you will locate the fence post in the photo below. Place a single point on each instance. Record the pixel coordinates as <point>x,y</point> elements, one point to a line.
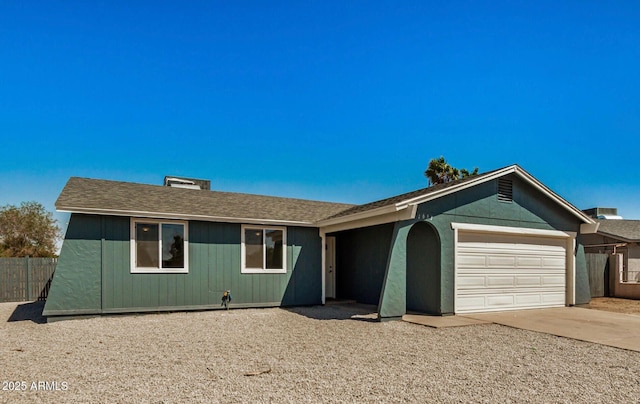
<point>28,278</point>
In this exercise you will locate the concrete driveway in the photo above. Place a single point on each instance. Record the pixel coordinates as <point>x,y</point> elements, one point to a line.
<point>601,327</point>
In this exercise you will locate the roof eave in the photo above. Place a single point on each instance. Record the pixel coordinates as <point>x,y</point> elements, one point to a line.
<point>618,237</point>
<point>387,214</point>
<point>557,198</point>
<point>179,216</point>
<point>383,210</point>
<point>513,169</point>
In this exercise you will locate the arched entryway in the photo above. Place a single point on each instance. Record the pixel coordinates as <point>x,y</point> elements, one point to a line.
<point>423,269</point>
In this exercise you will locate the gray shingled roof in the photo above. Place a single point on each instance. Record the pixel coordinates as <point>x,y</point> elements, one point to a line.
<point>124,198</point>
<point>409,195</point>
<point>86,195</point>
<point>627,230</point>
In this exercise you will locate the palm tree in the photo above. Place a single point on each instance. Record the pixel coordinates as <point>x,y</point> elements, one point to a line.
<point>440,172</point>
<point>464,173</point>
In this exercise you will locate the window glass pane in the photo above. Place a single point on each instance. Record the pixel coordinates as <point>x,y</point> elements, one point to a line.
<point>147,245</point>
<point>253,248</point>
<point>172,246</point>
<point>274,243</point>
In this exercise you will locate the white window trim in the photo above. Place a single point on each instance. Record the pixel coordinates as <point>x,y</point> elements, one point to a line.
<point>624,268</point>
<point>146,270</point>
<point>245,270</point>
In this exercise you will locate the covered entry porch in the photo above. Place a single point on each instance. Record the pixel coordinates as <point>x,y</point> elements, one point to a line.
<point>356,266</point>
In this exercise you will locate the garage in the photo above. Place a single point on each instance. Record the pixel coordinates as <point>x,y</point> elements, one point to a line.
<point>494,242</point>
<point>509,268</point>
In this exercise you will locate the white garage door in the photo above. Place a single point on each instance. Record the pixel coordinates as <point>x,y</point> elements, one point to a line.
<point>506,272</point>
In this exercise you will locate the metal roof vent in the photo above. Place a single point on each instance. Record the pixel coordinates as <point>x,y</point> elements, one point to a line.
<point>505,190</point>
<point>609,217</point>
<point>603,213</point>
<point>188,183</point>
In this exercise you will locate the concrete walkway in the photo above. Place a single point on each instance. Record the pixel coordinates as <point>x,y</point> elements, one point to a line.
<point>600,327</point>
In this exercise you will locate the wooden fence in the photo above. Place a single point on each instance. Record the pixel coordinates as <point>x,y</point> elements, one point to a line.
<point>598,269</point>
<point>25,279</point>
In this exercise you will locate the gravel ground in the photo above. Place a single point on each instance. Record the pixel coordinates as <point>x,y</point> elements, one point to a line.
<point>311,354</point>
<point>614,304</point>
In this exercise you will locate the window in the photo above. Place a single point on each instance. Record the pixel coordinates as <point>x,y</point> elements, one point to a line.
<point>159,246</point>
<point>263,250</point>
<point>629,266</point>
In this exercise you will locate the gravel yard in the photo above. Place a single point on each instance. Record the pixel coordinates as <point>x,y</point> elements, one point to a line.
<point>617,305</point>
<point>311,354</point>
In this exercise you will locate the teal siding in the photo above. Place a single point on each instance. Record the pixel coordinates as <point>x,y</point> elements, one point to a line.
<point>94,276</point>
<point>423,269</point>
<point>304,252</point>
<point>530,209</point>
<point>583,289</point>
<point>393,298</point>
<point>361,261</point>
<point>76,285</point>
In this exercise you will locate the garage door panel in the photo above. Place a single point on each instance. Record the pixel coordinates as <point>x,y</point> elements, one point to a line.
<point>480,238</point>
<point>464,303</point>
<point>499,281</point>
<point>509,279</point>
<point>553,281</point>
<point>529,262</point>
<point>553,262</point>
<point>501,261</point>
<point>471,282</point>
<point>554,298</point>
<point>528,281</point>
<point>512,301</point>
<point>473,260</point>
<point>494,301</point>
<point>509,248</point>
<point>529,299</point>
<point>498,272</point>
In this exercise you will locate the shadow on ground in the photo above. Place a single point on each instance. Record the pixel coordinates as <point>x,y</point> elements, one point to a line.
<point>31,311</point>
<point>359,312</point>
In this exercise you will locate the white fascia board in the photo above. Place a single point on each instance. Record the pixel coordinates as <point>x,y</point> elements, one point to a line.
<point>359,215</point>
<point>543,188</point>
<point>521,231</point>
<point>204,218</point>
<point>407,213</point>
<point>589,228</point>
<point>500,173</point>
<point>438,194</point>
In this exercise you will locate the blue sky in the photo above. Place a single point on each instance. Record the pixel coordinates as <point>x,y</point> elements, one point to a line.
<point>331,100</point>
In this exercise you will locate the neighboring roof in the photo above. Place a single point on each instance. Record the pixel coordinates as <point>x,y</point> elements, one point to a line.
<point>625,230</point>
<point>403,201</point>
<point>84,195</point>
<point>598,211</point>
